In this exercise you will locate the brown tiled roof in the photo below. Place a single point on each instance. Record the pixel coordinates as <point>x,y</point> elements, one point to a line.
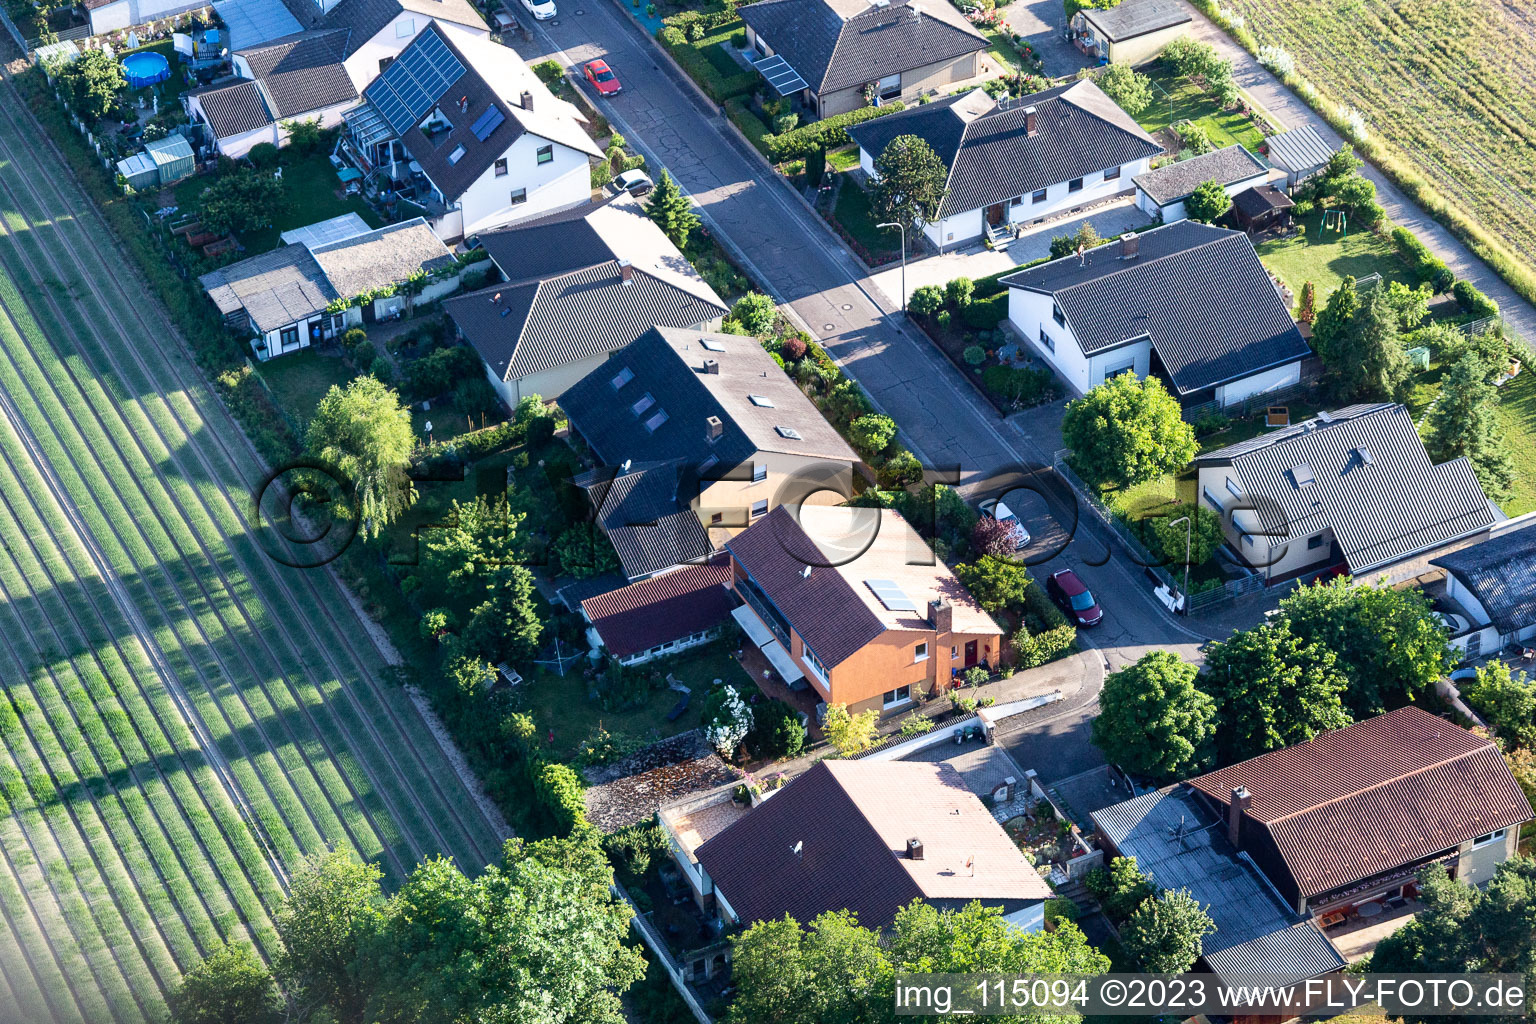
<point>835,838</point>
<point>1373,797</point>
<point>662,608</point>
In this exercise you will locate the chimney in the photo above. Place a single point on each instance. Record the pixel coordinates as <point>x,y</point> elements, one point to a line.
<point>626,272</point>
<point>914,849</point>
<point>711,366</point>
<point>463,104</point>
<point>1029,122</point>
<point>941,615</point>
<point>713,428</point>
<point>1130,244</point>
<point>1241,798</point>
<point>526,100</point>
<point>917,12</point>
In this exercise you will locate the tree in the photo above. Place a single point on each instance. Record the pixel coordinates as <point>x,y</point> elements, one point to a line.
<point>333,906</point>
<point>1208,202</point>
<point>1367,362</point>
<point>671,211</point>
<point>926,300</point>
<point>727,719</point>
<point>910,182</point>
<point>995,583</point>
<point>1165,934</point>
<point>975,939</point>
<point>365,433</point>
<point>994,538</point>
<point>242,201</point>
<point>1464,422</point>
<point>1085,238</point>
<point>1199,538</point>
<point>1389,644</point>
<point>1153,721</point>
<point>1462,929</point>
<point>1506,700</point>
<point>583,551</point>
<point>832,970</point>
<point>959,291</point>
<point>1127,431</point>
<point>1132,91</point>
<point>1335,318</point>
<point>756,313</point>
<point>304,136</point>
<point>872,434</point>
<point>474,559</point>
<point>1073,6</point>
<point>850,734</point>
<point>1120,888</point>
<point>90,84</point>
<point>229,986</point>
<point>1273,690</point>
<point>1410,305</point>
<point>1307,313</point>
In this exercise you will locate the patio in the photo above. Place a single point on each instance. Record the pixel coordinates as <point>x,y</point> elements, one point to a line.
<point>1357,935</point>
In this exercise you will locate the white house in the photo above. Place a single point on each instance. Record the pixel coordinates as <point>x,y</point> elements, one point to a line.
<point>475,138</point>
<point>1494,582</point>
<point>1017,161</point>
<point>1187,301</point>
<point>1160,193</point>
<point>1132,32</point>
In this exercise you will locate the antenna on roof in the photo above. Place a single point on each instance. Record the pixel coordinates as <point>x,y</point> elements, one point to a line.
<point>1082,254</point>
<point>798,848</point>
<point>805,573</point>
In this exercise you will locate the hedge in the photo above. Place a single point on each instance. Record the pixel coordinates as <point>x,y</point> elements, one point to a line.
<point>1036,650</point>
<point>716,86</point>
<point>828,133</point>
<point>1426,266</point>
<point>750,124</point>
<point>985,314</point>
<point>559,789</point>
<point>1473,302</point>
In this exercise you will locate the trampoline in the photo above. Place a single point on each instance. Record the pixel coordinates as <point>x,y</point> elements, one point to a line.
<point>146,68</point>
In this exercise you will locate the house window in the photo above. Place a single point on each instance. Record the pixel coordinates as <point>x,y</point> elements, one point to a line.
<point>456,155</point>
<point>643,404</point>
<point>954,654</point>
<point>621,378</point>
<point>1112,174</point>
<point>338,321</point>
<point>1016,201</point>
<point>897,697</point>
<point>889,87</point>
<point>920,652</point>
<point>1490,838</point>
<point>1117,371</point>
<point>501,167</point>
<point>1313,543</point>
<point>657,419</point>
<point>1047,341</point>
<point>1211,500</point>
<point>519,196</point>
<point>385,62</point>
<point>814,663</point>
<point>1075,185</point>
<point>1233,489</point>
<point>760,508</point>
<point>404,28</point>
<point>288,338</point>
<point>759,472</point>
<point>716,518</point>
<point>1038,196</point>
<point>1058,315</point>
<point>1248,539</point>
<point>545,155</point>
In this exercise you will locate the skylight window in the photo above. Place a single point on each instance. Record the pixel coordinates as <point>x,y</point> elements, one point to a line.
<point>892,596</point>
<point>1364,455</point>
<point>710,345</point>
<point>1302,476</point>
<point>457,154</point>
<point>621,378</point>
<point>655,422</point>
<point>789,432</point>
<point>640,407</point>
<point>760,401</point>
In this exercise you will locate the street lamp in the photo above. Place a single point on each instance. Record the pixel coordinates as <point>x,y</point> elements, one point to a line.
<point>903,229</point>
<point>1189,534</point>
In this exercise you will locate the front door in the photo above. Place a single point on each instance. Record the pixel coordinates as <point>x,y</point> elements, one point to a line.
<point>995,213</point>
<point>970,653</point>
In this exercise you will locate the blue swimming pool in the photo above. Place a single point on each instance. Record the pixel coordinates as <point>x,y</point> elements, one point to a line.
<point>146,68</point>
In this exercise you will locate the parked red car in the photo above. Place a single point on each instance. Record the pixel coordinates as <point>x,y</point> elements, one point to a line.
<point>602,77</point>
<point>1069,591</point>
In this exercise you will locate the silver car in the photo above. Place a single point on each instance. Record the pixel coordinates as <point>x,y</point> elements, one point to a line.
<point>995,509</point>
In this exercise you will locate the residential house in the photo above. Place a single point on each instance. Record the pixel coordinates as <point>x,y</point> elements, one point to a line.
<point>1494,582</point>
<point>296,78</point>
<point>1187,301</point>
<point>1350,817</point>
<point>1017,160</point>
<point>473,135</point>
<point>698,436</point>
<point>1353,487</point>
<point>839,55</point>
<point>663,614</point>
<point>292,296</point>
<point>105,16</point>
<point>1300,152</point>
<point>1132,32</point>
<point>378,31</point>
<point>866,836</point>
<point>1160,193</point>
<point>578,286</point>
<point>854,600</point>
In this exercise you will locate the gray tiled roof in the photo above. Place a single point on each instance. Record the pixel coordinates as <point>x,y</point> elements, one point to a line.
<point>1261,199</point>
<point>364,19</point>
<point>1173,182</point>
<point>843,45</point>
<point>386,256</point>
<point>1501,573</point>
<point>547,246</point>
<point>1079,131</point>
<point>1134,18</point>
<point>645,517</point>
<point>235,109</point>
<point>1199,292</point>
<point>1178,843</point>
<point>302,72</point>
<point>1396,504</point>
<point>275,288</point>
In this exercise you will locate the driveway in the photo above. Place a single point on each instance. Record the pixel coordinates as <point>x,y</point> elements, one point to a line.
<point>1042,23</point>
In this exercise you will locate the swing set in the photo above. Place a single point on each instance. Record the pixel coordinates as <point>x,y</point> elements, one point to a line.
<point>1334,220</point>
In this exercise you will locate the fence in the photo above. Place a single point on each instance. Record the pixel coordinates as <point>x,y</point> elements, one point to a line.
<point>658,947</point>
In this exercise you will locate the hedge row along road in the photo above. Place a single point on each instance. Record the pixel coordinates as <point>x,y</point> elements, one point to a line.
<point>183,720</point>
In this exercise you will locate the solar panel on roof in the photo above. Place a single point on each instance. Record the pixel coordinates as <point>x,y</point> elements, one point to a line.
<point>487,122</point>
<point>410,86</point>
<point>893,597</point>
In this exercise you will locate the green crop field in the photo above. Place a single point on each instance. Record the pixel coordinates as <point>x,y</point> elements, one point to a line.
<point>182,720</point>
<point>1449,88</point>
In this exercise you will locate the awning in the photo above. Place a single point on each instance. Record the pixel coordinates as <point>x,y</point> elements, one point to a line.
<point>756,631</point>
<point>784,79</point>
<point>782,663</point>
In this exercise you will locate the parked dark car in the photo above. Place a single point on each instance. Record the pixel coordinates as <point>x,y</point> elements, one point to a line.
<point>1074,597</point>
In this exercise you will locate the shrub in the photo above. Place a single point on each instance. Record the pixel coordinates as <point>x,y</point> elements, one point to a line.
<point>263,155</point>
<point>785,123</point>
<point>985,314</point>
<point>602,174</point>
<point>974,355</point>
<point>558,789</point>
<point>828,133</point>
<point>1426,266</point>
<point>959,291</point>
<point>748,123</point>
<point>776,731</point>
<point>363,354</point>
<point>381,370</point>
<point>872,434</point>
<point>943,318</point>
<point>1059,909</point>
<point>717,85</point>
<point>793,347</point>
<point>915,725</point>
<point>901,469</point>
<point>353,338</point>
<point>1194,137</point>
<point>1019,387</point>
<point>1473,302</point>
<point>549,72</point>
<point>926,301</point>
<point>755,312</point>
<point>850,734</point>
<point>1040,648</point>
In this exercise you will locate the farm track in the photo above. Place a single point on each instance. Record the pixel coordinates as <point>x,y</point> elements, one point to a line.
<point>122,642</point>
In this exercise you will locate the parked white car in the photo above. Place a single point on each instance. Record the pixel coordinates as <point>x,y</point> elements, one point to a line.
<point>1002,513</point>
<point>636,182</point>
<point>543,10</point>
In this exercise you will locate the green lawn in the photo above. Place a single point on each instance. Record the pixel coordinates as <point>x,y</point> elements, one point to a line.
<point>1326,259</point>
<point>1181,101</point>
<point>857,217</point>
<point>299,380</point>
<point>845,159</point>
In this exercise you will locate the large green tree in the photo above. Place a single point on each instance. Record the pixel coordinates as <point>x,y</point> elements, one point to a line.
<point>229,986</point>
<point>1367,361</point>
<point>1127,431</point>
<point>1128,88</point>
<point>1389,643</point>
<point>1464,422</point>
<point>910,182</point>
<point>831,971</point>
<point>1120,888</point>
<point>1335,318</point>
<point>1153,721</point>
<point>241,201</point>
<point>1507,702</point>
<point>995,583</point>
<point>1272,690</point>
<point>365,433</point>
<point>671,211</point>
<point>333,906</point>
<point>1208,203</point>
<point>1166,934</point>
<point>91,83</point>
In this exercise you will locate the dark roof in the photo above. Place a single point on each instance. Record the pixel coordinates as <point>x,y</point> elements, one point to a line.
<point>1259,200</point>
<point>1397,504</point>
<point>1299,149</point>
<point>822,606</point>
<point>841,44</point>
<point>1079,131</point>
<point>302,72</point>
<point>1173,182</point>
<point>547,246</point>
<point>1375,796</point>
<point>275,288</point>
<point>1501,573</point>
<point>382,257</point>
<point>634,788</point>
<point>1134,18</point>
<point>835,838</point>
<point>1198,292</point>
<point>1257,936</point>
<point>646,514</point>
<point>364,19</point>
<point>234,109</point>
<point>663,608</point>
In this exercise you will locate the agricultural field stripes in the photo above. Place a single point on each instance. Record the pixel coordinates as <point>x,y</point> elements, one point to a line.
<point>183,720</point>
<point>1451,88</point>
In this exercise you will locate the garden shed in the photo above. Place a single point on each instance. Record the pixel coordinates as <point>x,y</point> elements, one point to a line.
<point>140,171</point>
<point>173,158</point>
<point>1300,153</point>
